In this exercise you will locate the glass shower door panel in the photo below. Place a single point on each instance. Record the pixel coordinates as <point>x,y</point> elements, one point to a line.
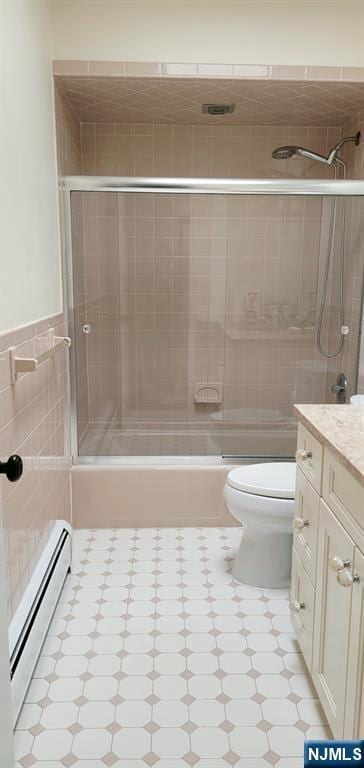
<point>347,360</point>
<point>271,361</point>
<point>149,284</point>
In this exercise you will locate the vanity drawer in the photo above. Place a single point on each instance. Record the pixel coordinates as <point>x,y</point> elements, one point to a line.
<point>309,457</point>
<point>344,494</point>
<point>302,606</point>
<point>305,524</point>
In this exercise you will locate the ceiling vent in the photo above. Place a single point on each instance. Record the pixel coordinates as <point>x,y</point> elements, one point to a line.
<point>218,109</point>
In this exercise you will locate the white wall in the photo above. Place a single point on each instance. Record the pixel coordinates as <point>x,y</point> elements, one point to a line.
<point>29,255</point>
<point>316,32</point>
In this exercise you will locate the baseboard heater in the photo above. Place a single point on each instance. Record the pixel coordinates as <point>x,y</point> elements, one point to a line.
<point>31,620</point>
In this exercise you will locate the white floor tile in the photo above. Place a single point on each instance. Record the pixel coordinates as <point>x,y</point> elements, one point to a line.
<point>287,742</point>
<point>131,743</point>
<point>280,712</point>
<point>207,712</point>
<point>249,742</point>
<point>100,688</point>
<point>243,712</point>
<point>52,745</point>
<point>135,687</point>
<point>170,714</point>
<point>96,714</point>
<point>170,687</point>
<point>273,686</point>
<point>210,742</point>
<point>156,656</point>
<point>133,714</point>
<point>59,715</point>
<point>91,743</point>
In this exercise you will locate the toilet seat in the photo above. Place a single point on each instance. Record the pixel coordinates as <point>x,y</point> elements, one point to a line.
<point>273,479</point>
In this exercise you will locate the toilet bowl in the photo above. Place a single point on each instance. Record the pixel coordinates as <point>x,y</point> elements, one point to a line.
<point>261,498</point>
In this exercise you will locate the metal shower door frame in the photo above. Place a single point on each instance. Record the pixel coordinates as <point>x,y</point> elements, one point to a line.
<point>165,185</point>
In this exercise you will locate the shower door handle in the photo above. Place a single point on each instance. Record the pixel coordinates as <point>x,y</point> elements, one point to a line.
<point>12,468</point>
<point>87,328</point>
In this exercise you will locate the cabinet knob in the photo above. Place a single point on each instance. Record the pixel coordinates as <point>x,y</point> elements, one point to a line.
<point>296,606</point>
<point>346,578</point>
<point>337,564</point>
<point>303,455</point>
<point>299,522</point>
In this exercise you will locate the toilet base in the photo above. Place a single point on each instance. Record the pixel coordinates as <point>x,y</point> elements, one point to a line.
<point>264,559</point>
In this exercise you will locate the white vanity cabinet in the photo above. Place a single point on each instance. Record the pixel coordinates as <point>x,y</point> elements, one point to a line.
<point>327,592</point>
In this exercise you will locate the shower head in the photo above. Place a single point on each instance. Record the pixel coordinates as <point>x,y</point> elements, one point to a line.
<point>284,153</point>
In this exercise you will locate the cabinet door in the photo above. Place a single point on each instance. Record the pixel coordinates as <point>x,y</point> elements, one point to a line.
<point>353,729</point>
<point>305,524</point>
<point>332,620</point>
<point>302,604</point>
<point>309,456</point>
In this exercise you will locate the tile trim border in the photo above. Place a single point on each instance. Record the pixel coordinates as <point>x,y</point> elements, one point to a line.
<point>82,68</point>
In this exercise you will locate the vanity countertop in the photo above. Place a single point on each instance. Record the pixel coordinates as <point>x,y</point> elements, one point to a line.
<point>341,428</point>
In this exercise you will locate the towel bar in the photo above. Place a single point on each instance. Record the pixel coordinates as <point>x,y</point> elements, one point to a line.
<point>29,364</point>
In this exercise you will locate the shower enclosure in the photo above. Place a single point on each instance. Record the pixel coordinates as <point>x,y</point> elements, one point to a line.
<point>193,308</point>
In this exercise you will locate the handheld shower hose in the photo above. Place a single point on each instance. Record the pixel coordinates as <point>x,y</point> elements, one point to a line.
<point>333,160</point>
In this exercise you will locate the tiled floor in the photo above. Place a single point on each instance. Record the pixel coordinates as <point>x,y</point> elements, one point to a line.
<point>157,657</point>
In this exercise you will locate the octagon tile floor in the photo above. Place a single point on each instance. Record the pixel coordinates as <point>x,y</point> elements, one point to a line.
<point>156,656</point>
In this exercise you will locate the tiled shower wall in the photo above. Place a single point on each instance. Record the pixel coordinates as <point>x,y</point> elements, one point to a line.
<point>68,135</point>
<point>121,379</point>
<point>156,268</point>
<point>353,271</point>
<point>164,264</point>
<point>197,150</point>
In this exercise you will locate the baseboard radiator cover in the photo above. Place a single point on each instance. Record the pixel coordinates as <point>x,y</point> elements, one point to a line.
<point>28,628</point>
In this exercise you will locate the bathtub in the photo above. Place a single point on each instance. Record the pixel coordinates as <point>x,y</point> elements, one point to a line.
<point>119,495</point>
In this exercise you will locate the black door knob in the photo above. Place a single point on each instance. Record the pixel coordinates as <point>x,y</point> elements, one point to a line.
<point>12,468</point>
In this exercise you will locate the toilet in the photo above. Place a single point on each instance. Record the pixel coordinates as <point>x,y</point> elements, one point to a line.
<point>261,498</point>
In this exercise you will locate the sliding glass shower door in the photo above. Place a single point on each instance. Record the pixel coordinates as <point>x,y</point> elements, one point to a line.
<point>196,315</point>
<point>149,277</point>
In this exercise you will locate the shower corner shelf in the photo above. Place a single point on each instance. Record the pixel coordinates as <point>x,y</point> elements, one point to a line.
<point>30,364</point>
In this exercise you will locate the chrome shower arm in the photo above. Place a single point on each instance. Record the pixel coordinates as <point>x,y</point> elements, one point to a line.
<point>347,139</point>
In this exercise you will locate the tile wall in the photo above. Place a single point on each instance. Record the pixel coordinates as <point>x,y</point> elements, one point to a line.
<point>156,272</point>
<point>121,377</point>
<point>34,417</point>
<point>33,423</point>
<point>353,271</point>
<point>68,135</point>
<point>199,150</point>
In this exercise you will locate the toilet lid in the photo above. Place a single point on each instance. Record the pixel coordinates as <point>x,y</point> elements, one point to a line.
<point>275,479</point>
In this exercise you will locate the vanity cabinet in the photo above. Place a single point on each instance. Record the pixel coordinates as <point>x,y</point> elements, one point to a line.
<point>327,591</point>
<point>332,617</point>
